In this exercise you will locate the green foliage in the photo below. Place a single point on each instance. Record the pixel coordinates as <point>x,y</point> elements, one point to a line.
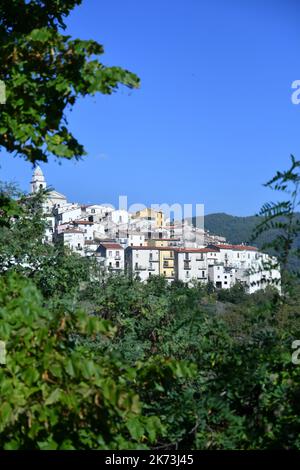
<point>235,294</point>
<point>45,72</point>
<point>281,216</point>
<point>58,394</point>
<point>226,401</point>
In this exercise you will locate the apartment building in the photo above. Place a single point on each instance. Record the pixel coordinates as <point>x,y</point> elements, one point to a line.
<point>111,256</point>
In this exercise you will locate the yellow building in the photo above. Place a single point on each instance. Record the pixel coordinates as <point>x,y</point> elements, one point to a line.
<point>166,263</point>
<point>157,242</point>
<point>150,214</point>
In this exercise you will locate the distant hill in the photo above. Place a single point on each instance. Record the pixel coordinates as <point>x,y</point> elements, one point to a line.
<point>235,229</point>
<point>240,229</point>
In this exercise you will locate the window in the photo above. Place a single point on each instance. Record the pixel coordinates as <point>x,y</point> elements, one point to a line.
<point>136,265</point>
<point>117,264</point>
<point>151,256</point>
<point>117,253</point>
<point>110,264</point>
<point>110,254</point>
<point>203,273</point>
<point>93,211</point>
<point>225,282</point>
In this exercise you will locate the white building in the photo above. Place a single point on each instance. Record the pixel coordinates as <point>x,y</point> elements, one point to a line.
<point>191,264</point>
<point>221,276</point>
<point>67,213</point>
<point>111,256</point>
<point>119,216</point>
<point>74,239</point>
<point>86,227</point>
<point>142,261</point>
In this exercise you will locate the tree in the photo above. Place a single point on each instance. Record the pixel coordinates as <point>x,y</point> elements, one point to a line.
<point>57,393</point>
<point>281,217</point>
<point>45,72</point>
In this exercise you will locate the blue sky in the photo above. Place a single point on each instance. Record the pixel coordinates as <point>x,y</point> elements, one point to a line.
<point>213,119</point>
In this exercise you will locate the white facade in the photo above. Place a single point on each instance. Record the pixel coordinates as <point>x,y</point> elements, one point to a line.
<point>142,261</point>
<point>111,257</point>
<point>86,226</point>
<point>119,216</point>
<point>222,277</point>
<point>67,214</point>
<point>191,265</point>
<point>74,239</point>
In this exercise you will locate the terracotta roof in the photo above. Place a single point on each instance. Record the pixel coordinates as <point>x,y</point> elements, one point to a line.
<point>111,246</point>
<point>72,230</point>
<point>196,250</point>
<point>153,248</point>
<point>82,222</point>
<point>174,248</point>
<point>164,239</point>
<point>236,247</point>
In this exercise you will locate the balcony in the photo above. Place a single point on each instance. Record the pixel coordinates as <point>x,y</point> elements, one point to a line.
<point>117,257</point>
<point>167,265</point>
<point>140,268</point>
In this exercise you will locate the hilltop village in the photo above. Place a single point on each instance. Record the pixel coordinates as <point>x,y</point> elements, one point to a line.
<point>147,243</point>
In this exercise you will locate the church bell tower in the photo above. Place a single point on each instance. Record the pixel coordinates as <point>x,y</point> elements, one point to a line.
<point>38,180</point>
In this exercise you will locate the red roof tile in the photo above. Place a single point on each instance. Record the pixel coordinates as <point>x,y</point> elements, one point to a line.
<point>82,222</point>
<point>111,246</point>
<point>236,247</point>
